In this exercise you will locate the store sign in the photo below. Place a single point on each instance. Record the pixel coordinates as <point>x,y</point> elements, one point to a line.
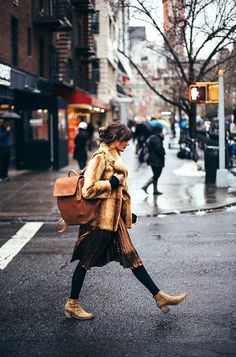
<point>36,122</point>
<point>5,75</point>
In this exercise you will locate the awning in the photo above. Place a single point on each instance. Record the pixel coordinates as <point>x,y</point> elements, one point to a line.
<point>76,96</point>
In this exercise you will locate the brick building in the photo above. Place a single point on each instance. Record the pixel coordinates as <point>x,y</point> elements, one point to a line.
<point>48,73</point>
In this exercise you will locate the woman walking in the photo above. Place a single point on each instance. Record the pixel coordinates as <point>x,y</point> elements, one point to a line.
<point>156,159</point>
<point>106,238</point>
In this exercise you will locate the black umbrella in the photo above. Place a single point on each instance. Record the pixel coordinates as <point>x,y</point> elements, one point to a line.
<point>10,116</point>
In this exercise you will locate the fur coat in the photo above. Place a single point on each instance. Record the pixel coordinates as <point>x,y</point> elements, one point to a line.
<point>115,203</point>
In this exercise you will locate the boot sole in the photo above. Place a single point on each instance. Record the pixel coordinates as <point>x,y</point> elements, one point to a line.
<point>69,315</point>
<point>165,309</point>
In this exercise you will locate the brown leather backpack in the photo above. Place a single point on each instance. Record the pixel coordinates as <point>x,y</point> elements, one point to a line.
<point>73,207</point>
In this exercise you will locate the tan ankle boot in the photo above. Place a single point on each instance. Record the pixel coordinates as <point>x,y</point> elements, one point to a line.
<point>163,300</point>
<point>74,309</point>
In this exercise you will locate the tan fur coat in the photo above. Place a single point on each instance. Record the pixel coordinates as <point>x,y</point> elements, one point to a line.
<point>115,203</point>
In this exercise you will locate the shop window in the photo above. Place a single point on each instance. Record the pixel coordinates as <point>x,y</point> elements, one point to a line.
<point>62,127</point>
<point>38,124</point>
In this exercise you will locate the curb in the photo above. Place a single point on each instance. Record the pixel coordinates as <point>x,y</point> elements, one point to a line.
<point>54,219</point>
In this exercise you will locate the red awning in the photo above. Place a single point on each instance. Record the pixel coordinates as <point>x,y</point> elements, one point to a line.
<point>76,96</point>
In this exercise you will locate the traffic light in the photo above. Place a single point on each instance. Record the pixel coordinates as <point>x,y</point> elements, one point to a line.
<point>197,93</point>
<point>204,92</point>
<point>213,93</point>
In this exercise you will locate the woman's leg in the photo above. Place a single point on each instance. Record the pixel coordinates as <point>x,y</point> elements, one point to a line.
<point>156,174</point>
<point>77,281</point>
<point>162,299</point>
<point>142,275</point>
<point>73,307</point>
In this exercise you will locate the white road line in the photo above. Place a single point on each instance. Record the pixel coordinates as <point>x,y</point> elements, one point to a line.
<point>17,242</point>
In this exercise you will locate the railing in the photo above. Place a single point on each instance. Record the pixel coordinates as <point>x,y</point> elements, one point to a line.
<point>88,85</point>
<point>61,70</point>
<point>84,5</point>
<point>87,44</point>
<point>57,14</point>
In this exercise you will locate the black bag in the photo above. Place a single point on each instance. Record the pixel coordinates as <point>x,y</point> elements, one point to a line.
<point>143,153</point>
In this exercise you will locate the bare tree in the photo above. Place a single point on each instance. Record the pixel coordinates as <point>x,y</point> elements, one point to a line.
<point>194,35</point>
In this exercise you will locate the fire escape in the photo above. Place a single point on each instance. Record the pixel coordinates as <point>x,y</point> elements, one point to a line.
<point>56,17</point>
<point>86,63</point>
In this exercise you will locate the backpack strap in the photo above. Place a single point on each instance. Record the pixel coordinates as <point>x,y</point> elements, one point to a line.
<point>61,223</point>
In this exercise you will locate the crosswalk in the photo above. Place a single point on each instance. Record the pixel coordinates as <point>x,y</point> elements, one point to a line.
<point>14,245</point>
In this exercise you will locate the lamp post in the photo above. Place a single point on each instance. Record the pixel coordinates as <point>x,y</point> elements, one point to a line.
<point>222,173</point>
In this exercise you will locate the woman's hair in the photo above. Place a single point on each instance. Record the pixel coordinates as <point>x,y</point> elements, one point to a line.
<point>114,131</point>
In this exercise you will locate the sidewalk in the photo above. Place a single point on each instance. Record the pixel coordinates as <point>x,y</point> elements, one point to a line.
<point>29,194</point>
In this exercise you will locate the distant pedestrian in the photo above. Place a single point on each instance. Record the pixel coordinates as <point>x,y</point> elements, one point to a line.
<point>141,134</point>
<point>156,158</point>
<point>106,238</point>
<point>80,150</point>
<point>5,149</point>
<point>90,133</point>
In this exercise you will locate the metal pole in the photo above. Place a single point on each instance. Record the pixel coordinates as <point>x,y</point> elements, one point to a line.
<point>222,173</point>
<point>221,118</point>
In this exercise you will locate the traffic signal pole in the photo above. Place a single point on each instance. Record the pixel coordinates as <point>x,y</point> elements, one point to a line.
<point>222,173</point>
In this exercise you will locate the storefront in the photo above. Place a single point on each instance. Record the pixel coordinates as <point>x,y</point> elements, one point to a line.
<point>41,134</point>
<point>82,107</point>
<point>7,100</point>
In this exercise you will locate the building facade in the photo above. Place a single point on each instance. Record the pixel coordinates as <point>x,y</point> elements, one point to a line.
<point>58,66</point>
<point>27,56</point>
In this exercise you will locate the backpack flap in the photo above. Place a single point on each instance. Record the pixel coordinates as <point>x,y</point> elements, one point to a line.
<point>66,186</point>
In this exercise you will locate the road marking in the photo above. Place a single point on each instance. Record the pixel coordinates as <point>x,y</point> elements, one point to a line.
<point>17,242</point>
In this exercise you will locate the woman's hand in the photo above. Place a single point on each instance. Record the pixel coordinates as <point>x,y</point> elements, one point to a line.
<point>120,177</point>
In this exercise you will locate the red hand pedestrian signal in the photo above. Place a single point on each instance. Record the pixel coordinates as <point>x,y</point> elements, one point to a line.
<point>197,93</point>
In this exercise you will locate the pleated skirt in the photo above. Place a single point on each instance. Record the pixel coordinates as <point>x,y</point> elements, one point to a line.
<point>97,247</point>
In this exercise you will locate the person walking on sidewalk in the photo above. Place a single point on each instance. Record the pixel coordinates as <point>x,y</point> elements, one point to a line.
<point>80,141</point>
<point>106,238</point>
<point>5,149</point>
<point>156,159</point>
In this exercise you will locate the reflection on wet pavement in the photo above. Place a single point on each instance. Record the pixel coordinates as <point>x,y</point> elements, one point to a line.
<point>31,193</point>
<point>180,193</point>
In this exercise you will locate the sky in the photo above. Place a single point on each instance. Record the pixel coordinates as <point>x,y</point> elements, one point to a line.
<point>137,20</point>
<point>210,18</point>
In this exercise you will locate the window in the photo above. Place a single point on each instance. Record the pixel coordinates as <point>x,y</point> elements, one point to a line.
<point>96,71</point>
<point>29,42</point>
<point>14,41</point>
<point>62,127</point>
<point>95,22</point>
<point>38,124</point>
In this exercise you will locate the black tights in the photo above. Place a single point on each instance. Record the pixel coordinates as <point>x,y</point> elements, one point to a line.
<point>140,273</point>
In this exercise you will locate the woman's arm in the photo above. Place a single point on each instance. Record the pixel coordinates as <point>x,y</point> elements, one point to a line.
<point>93,186</point>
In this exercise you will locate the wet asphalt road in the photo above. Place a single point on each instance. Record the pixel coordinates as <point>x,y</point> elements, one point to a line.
<point>181,252</point>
